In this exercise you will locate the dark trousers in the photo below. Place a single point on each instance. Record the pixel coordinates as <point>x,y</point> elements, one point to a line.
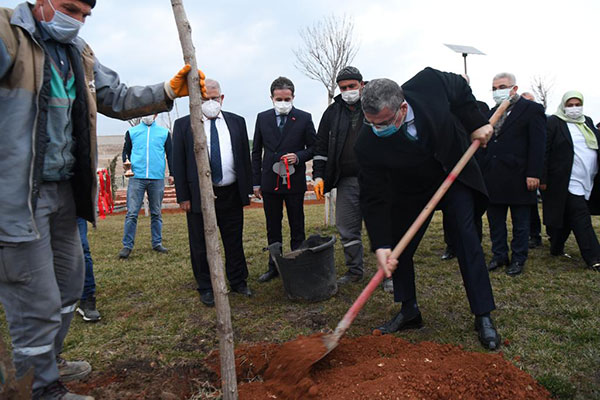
<point>535,225</point>
<point>89,286</point>
<point>520,228</point>
<point>577,219</point>
<point>273,207</point>
<point>446,226</point>
<point>459,206</point>
<point>230,219</point>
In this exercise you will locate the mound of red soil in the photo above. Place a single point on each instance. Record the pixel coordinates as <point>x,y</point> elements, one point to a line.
<point>377,367</point>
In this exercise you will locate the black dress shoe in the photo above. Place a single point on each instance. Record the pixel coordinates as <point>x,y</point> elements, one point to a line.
<point>559,253</point>
<point>535,241</point>
<point>486,331</point>
<point>448,254</point>
<point>349,277</point>
<point>242,289</point>
<point>595,266</point>
<point>208,298</point>
<point>515,268</point>
<point>400,322</point>
<point>496,263</point>
<point>267,276</point>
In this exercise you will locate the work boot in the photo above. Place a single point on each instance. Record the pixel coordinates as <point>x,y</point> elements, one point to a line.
<point>267,276</point>
<point>57,391</point>
<point>72,370</point>
<point>125,252</point>
<point>160,249</point>
<point>87,309</point>
<point>349,277</point>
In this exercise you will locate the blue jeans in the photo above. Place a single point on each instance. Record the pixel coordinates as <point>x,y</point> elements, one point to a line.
<point>89,286</point>
<point>135,197</point>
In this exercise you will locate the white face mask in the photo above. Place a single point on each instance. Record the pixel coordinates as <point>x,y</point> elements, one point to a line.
<point>61,27</point>
<point>211,108</point>
<point>351,96</point>
<point>283,107</point>
<point>500,95</point>
<point>148,120</point>
<point>574,112</point>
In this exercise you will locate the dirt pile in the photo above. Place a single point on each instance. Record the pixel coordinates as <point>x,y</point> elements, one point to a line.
<point>378,367</point>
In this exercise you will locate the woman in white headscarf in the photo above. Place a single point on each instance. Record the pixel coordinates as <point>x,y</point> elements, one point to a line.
<point>571,180</point>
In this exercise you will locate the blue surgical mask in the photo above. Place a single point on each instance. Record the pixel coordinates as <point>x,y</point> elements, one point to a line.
<point>386,131</point>
<point>500,95</point>
<point>62,28</point>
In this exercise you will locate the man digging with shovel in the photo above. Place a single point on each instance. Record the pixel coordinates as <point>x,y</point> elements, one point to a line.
<point>411,139</point>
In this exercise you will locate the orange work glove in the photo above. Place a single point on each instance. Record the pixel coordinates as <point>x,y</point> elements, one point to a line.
<point>178,87</point>
<point>318,188</point>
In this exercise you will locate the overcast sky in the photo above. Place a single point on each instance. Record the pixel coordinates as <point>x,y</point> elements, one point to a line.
<point>245,45</point>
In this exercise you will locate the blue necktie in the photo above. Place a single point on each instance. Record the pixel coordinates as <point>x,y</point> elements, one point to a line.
<point>282,120</point>
<point>215,154</point>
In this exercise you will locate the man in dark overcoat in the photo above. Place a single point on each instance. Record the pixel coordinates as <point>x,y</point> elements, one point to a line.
<point>512,167</point>
<point>412,138</point>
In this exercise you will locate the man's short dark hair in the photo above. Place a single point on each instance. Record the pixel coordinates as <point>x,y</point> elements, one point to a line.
<point>381,93</point>
<point>282,83</point>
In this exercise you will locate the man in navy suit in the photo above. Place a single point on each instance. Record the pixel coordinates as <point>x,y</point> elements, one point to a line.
<point>229,151</point>
<point>512,167</point>
<point>283,140</point>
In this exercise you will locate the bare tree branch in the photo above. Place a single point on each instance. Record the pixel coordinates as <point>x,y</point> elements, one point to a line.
<point>327,48</point>
<point>134,121</point>
<point>541,87</point>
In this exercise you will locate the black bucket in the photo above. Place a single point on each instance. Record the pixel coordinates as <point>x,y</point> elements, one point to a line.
<point>308,273</point>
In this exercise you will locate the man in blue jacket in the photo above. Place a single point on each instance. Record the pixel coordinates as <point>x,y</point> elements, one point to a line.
<point>145,147</point>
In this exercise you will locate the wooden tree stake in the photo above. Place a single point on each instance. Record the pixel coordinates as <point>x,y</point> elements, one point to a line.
<point>217,276</point>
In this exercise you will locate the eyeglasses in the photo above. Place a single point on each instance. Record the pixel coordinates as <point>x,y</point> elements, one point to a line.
<point>383,124</point>
<point>500,87</point>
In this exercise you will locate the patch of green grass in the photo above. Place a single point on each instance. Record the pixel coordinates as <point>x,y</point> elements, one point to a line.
<point>151,310</point>
<point>559,386</point>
